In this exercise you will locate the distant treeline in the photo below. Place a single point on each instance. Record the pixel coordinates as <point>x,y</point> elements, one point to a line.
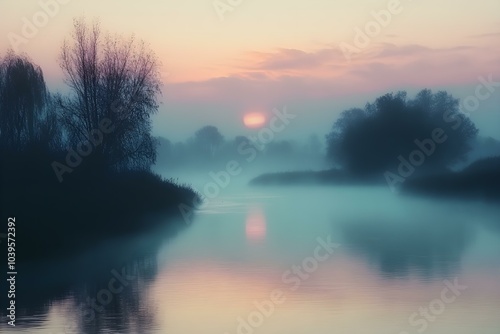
<point>208,148</point>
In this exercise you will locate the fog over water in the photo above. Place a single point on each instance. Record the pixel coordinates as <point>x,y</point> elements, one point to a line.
<point>250,167</point>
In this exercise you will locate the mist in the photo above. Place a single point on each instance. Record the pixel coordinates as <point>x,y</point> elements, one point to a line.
<point>245,167</point>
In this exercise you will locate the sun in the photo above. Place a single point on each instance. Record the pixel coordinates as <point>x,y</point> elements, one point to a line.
<point>254,120</point>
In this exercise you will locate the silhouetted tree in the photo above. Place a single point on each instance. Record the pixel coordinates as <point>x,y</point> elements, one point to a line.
<point>238,140</point>
<point>23,103</point>
<point>280,150</point>
<point>370,140</point>
<point>314,146</point>
<point>208,139</point>
<point>115,81</point>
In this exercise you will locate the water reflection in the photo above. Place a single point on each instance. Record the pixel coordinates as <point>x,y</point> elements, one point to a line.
<point>100,289</point>
<point>391,262</point>
<point>428,248</point>
<point>120,304</point>
<point>255,226</point>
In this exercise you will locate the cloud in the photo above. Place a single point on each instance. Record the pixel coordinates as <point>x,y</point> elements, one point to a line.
<point>291,74</point>
<point>293,59</point>
<point>488,35</point>
<point>416,51</point>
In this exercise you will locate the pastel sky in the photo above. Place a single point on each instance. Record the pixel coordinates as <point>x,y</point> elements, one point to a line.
<point>265,54</point>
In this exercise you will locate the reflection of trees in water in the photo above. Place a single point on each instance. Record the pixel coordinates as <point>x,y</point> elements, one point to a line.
<point>488,216</point>
<point>127,311</point>
<point>69,283</point>
<point>427,248</point>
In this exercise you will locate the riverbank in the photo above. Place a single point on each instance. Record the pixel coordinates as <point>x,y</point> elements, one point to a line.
<point>480,180</point>
<point>324,177</point>
<point>55,217</point>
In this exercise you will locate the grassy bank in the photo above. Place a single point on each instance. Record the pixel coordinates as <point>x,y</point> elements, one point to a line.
<point>480,180</point>
<point>87,207</point>
<point>325,177</point>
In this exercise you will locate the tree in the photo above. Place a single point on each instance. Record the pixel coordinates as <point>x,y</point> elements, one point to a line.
<point>208,139</point>
<point>165,151</point>
<point>281,150</point>
<point>370,140</point>
<point>23,102</point>
<point>112,80</point>
<point>314,146</point>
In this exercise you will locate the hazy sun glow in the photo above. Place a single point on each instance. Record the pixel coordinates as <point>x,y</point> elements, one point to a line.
<point>254,120</point>
<point>255,225</point>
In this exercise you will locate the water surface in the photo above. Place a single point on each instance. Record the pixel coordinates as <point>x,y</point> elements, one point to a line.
<point>393,259</point>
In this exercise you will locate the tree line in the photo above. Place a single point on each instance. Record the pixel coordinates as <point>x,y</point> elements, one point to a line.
<point>207,147</point>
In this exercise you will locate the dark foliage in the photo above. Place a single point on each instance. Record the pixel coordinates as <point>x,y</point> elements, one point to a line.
<point>111,190</point>
<point>369,141</point>
<point>332,176</point>
<point>481,181</point>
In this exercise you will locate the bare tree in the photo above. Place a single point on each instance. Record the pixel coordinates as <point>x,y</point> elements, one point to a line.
<point>116,80</point>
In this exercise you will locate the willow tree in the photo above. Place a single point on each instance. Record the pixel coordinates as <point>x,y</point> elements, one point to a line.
<point>23,101</point>
<point>115,80</point>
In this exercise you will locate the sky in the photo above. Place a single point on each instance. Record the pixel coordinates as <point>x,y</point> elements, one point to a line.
<point>224,59</point>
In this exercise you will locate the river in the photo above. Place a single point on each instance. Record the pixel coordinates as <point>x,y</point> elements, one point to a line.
<point>294,260</point>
